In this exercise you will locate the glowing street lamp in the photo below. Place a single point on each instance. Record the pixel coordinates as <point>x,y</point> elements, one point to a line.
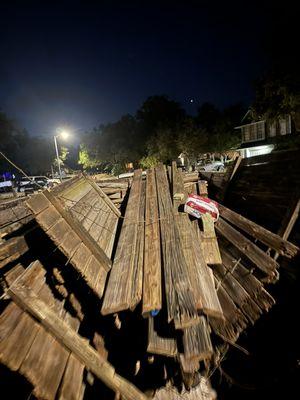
<point>63,134</point>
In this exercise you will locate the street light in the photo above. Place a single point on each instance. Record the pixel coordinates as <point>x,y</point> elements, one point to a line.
<point>64,134</point>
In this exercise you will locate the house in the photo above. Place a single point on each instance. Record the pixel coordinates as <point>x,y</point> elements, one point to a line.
<point>259,137</point>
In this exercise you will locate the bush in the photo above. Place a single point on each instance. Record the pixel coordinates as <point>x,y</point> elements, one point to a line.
<point>149,162</point>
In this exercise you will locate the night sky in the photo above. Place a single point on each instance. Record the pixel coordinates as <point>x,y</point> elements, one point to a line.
<point>82,63</point>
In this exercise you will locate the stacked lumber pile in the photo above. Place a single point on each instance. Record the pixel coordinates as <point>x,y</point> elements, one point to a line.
<point>115,189</point>
<point>199,280</point>
<point>13,216</point>
<point>53,270</point>
<point>98,301</point>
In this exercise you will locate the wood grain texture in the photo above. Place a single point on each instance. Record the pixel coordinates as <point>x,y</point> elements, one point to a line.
<point>26,298</point>
<point>177,183</point>
<point>11,275</point>
<point>267,237</point>
<point>181,302</point>
<point>160,345</point>
<point>209,241</point>
<point>152,291</point>
<point>33,351</point>
<point>203,276</point>
<point>12,249</point>
<point>66,232</point>
<point>123,288</point>
<point>13,216</point>
<point>249,249</point>
<point>196,341</point>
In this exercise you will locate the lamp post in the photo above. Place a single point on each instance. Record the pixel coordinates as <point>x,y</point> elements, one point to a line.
<point>57,157</point>
<point>63,134</point>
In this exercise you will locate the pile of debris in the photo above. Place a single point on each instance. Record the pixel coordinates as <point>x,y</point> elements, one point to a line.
<point>116,189</point>
<point>128,298</point>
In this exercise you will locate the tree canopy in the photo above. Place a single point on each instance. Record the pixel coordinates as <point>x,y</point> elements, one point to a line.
<point>276,94</point>
<point>159,131</point>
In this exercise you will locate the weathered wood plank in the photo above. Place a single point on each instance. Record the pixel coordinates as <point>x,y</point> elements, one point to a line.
<point>203,277</point>
<point>107,238</point>
<point>71,387</point>
<point>270,239</point>
<point>188,365</point>
<point>11,275</point>
<point>152,291</point>
<point>196,341</point>
<point>234,266</point>
<point>177,183</point>
<point>18,330</point>
<point>137,278</point>
<point>202,188</point>
<point>9,319</point>
<point>14,349</point>
<point>289,219</point>
<point>26,298</point>
<point>68,221</point>
<point>249,249</point>
<point>46,359</point>
<point>235,321</point>
<point>85,238</point>
<point>68,234</point>
<point>120,293</point>
<point>105,198</point>
<point>181,302</point>
<point>209,241</point>
<point>234,289</point>
<point>116,185</point>
<point>37,203</point>
<point>12,249</point>
<point>30,348</point>
<point>160,345</point>
<point>189,177</point>
<point>13,216</point>
<point>48,217</point>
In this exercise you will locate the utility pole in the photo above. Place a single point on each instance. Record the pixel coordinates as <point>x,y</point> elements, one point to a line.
<point>57,157</point>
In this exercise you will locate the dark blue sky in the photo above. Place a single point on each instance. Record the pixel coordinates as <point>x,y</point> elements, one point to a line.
<point>83,63</point>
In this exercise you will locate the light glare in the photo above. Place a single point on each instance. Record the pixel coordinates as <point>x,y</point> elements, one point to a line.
<point>64,134</point>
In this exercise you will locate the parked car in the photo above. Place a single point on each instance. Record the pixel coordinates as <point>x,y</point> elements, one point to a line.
<point>32,184</point>
<point>212,167</point>
<point>56,181</point>
<point>6,186</point>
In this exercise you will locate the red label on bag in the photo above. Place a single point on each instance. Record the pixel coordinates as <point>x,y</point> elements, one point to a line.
<point>197,205</point>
